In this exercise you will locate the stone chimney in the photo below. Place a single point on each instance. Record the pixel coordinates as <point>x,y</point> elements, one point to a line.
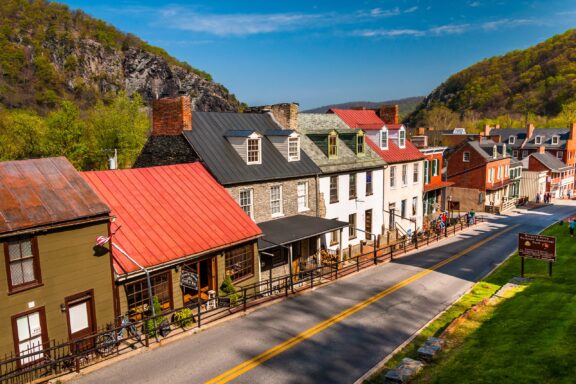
<point>487,130</point>
<point>390,114</point>
<point>171,116</point>
<point>529,130</point>
<point>572,136</point>
<point>286,114</point>
<point>541,149</point>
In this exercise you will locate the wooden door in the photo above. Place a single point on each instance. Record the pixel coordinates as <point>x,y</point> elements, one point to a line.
<point>81,319</point>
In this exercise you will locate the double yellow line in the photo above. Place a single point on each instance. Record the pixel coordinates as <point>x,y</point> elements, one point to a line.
<point>275,351</point>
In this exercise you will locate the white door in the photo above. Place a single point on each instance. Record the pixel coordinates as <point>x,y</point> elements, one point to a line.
<point>29,329</point>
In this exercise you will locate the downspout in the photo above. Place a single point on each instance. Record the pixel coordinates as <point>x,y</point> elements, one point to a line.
<point>147,280</point>
<point>317,195</point>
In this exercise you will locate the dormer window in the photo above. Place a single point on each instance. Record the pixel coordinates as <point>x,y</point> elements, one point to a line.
<point>402,138</point>
<point>360,143</point>
<point>254,151</point>
<point>333,145</point>
<point>384,139</point>
<point>555,140</point>
<point>293,149</point>
<point>511,139</point>
<point>538,140</point>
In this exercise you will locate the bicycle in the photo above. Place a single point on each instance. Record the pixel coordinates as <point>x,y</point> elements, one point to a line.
<point>106,342</point>
<point>55,366</point>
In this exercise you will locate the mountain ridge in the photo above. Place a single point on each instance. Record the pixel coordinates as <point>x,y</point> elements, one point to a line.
<point>406,105</point>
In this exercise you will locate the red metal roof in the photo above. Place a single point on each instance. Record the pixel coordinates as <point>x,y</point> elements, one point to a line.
<point>395,154</point>
<point>394,126</point>
<point>434,186</point>
<point>169,212</point>
<point>366,119</point>
<point>43,192</point>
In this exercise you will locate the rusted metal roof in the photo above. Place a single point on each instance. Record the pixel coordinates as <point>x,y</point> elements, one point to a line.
<point>169,213</point>
<point>41,192</point>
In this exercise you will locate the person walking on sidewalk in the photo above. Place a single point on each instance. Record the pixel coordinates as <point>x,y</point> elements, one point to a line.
<point>572,226</point>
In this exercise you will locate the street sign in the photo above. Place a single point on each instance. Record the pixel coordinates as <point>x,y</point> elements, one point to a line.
<point>537,247</point>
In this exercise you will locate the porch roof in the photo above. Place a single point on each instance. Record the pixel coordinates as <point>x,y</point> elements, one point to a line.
<point>289,229</point>
<point>434,186</point>
<point>498,185</point>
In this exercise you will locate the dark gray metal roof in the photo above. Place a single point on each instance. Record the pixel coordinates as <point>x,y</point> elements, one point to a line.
<point>551,162</point>
<point>208,140</point>
<point>289,229</point>
<point>547,134</point>
<point>485,149</point>
<point>505,134</point>
<point>238,133</point>
<point>279,132</point>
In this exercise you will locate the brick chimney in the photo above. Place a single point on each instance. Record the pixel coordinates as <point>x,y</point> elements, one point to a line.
<point>487,130</point>
<point>529,130</point>
<point>171,116</point>
<point>390,114</point>
<point>572,136</point>
<point>541,149</point>
<point>286,114</point>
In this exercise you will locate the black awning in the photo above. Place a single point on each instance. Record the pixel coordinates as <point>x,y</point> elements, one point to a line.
<point>289,229</point>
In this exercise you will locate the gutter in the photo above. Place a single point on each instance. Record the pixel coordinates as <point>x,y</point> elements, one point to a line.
<point>60,225</point>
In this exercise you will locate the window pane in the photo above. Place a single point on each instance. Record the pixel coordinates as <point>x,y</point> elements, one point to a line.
<point>14,251</point>
<point>239,262</point>
<point>23,329</point>
<point>26,248</point>
<point>28,270</point>
<point>16,273</point>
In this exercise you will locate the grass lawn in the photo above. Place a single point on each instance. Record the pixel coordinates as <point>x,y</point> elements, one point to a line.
<point>529,338</point>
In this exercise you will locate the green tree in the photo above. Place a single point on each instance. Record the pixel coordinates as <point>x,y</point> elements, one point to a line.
<point>441,117</point>
<point>122,124</point>
<point>21,135</point>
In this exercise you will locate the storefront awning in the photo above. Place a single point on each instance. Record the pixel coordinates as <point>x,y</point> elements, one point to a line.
<point>289,229</point>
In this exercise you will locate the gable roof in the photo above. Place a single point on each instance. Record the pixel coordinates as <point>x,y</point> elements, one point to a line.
<point>395,154</point>
<point>359,118</point>
<point>547,134</point>
<point>207,137</point>
<point>550,162</point>
<point>44,192</point>
<point>315,128</point>
<point>505,134</point>
<point>169,213</point>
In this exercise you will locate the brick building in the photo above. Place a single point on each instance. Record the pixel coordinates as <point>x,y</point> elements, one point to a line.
<point>559,176</point>
<point>481,176</point>
<point>258,159</point>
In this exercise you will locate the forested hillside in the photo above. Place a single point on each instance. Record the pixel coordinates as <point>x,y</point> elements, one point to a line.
<point>536,82</point>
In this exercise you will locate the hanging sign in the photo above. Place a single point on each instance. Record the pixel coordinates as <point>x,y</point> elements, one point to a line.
<point>189,279</point>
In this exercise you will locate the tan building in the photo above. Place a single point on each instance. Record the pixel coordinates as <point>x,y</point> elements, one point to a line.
<point>54,286</point>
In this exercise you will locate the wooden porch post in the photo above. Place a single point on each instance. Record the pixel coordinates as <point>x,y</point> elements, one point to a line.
<point>341,245</point>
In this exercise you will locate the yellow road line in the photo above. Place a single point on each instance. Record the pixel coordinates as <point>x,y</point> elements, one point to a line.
<point>272,352</point>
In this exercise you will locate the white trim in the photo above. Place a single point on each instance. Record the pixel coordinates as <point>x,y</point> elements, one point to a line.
<point>279,200</point>
<point>511,140</point>
<point>297,157</point>
<point>259,141</point>
<point>383,132</point>
<point>402,140</point>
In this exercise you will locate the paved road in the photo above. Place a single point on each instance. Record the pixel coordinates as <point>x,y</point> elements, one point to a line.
<point>348,346</point>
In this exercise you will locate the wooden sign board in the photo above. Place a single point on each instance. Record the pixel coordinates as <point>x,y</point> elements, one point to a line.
<point>189,279</point>
<point>454,205</point>
<point>223,302</point>
<point>537,246</point>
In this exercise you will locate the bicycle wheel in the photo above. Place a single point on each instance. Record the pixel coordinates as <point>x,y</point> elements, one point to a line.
<point>105,344</point>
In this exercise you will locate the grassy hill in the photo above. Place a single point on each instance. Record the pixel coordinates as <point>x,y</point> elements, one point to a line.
<point>536,81</point>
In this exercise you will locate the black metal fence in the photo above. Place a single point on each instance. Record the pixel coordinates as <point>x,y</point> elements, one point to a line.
<point>54,359</point>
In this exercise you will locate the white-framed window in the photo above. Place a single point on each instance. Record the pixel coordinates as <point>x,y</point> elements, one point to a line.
<point>515,153</point>
<point>511,139</point>
<point>416,173</point>
<point>555,140</point>
<point>403,208</point>
<point>402,138</point>
<point>276,200</point>
<point>491,175</point>
<point>246,202</point>
<point>538,140</point>
<point>335,237</point>
<point>369,190</point>
<point>333,189</point>
<point>499,174</point>
<point>352,226</point>
<point>466,157</point>
<point>352,186</point>
<point>254,152</point>
<point>404,174</point>
<point>506,171</point>
<point>435,167</point>
<point>414,205</point>
<point>302,193</point>
<point>426,171</point>
<point>559,155</point>
<point>393,176</point>
<point>384,139</point>
<point>293,148</point>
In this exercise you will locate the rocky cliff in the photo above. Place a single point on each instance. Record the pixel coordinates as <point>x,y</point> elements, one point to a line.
<point>49,54</point>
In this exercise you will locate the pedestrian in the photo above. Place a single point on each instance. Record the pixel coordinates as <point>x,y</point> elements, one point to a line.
<point>471,216</point>
<point>538,198</point>
<point>569,193</point>
<point>572,226</point>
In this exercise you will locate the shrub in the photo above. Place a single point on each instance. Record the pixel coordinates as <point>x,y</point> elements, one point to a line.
<point>149,323</point>
<point>228,289</point>
<point>184,317</point>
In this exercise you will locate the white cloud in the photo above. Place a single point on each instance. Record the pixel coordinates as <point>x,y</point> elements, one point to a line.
<point>411,9</point>
<point>474,4</point>
<point>436,31</point>
<point>450,29</point>
<point>237,24</point>
<point>508,23</point>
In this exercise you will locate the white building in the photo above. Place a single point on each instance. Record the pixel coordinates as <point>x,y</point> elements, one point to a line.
<point>351,183</point>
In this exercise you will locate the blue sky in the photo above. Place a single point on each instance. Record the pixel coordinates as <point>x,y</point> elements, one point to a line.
<point>324,52</point>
